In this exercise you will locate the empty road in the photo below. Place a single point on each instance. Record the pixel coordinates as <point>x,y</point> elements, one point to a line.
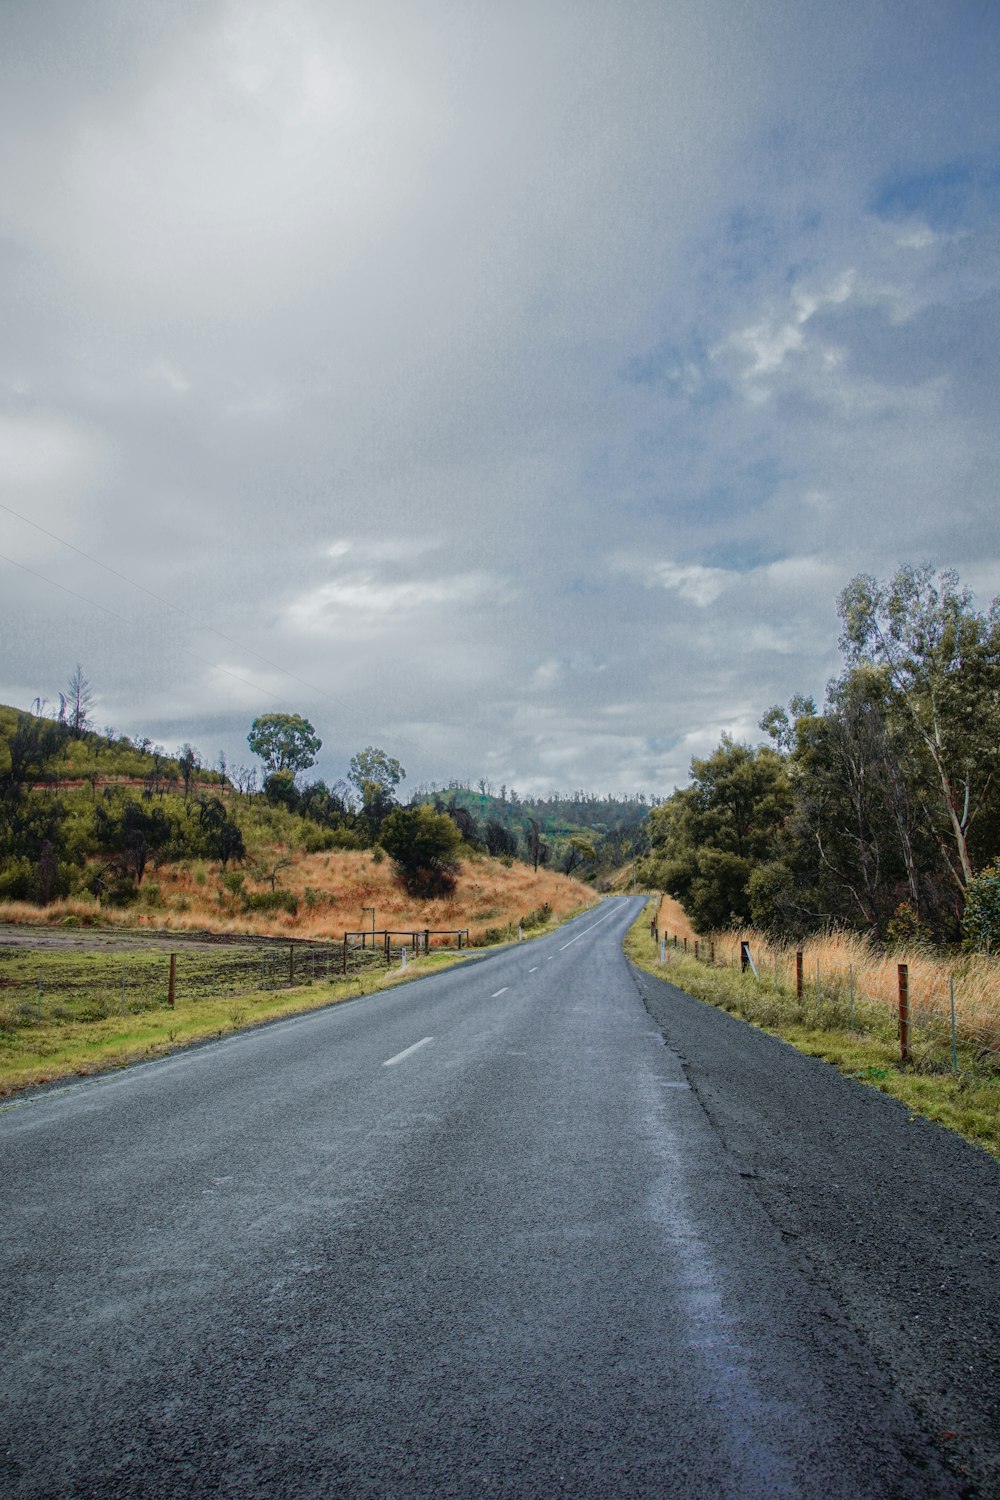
<point>478,1235</point>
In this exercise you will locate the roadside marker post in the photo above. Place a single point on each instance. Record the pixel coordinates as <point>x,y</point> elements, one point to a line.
<point>172,988</point>
<point>903,977</point>
<point>798,975</point>
<point>954,1045</point>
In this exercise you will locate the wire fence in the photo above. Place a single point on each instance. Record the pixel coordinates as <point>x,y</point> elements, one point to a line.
<point>941,1020</point>
<point>54,983</point>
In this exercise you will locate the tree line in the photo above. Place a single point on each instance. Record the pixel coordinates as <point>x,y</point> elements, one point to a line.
<point>879,811</point>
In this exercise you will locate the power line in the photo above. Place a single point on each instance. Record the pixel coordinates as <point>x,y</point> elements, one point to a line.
<point>132,625</point>
<point>160,600</point>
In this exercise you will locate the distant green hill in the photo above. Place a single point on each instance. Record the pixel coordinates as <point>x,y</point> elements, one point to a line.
<point>615,827</point>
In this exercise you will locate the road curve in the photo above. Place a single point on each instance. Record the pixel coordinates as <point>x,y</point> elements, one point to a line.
<point>475,1235</point>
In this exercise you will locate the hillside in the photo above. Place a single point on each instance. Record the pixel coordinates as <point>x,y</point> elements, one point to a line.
<point>105,830</point>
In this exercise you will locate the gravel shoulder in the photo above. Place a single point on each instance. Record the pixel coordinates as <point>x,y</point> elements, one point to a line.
<point>896,1217</point>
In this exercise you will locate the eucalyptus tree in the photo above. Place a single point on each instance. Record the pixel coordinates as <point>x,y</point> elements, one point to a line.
<point>941,663</point>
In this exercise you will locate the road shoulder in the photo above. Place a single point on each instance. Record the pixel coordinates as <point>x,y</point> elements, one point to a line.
<point>896,1216</point>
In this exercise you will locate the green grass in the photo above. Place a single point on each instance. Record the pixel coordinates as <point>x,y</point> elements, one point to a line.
<point>65,1011</point>
<point>967,1101</point>
<point>80,1026</point>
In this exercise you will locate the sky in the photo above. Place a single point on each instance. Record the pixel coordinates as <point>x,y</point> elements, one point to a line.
<point>513,387</point>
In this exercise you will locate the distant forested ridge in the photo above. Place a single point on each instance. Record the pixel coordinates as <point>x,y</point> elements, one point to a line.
<point>882,810</point>
<point>577,832</point>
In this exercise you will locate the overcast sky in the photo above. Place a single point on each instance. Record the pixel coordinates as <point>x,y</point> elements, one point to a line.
<point>513,386</point>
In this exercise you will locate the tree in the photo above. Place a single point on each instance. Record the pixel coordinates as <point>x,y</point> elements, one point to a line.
<point>281,791</point>
<point>500,842</point>
<point>221,833</point>
<point>131,838</point>
<point>579,850</point>
<point>981,921</point>
<point>284,742</point>
<point>377,768</point>
<point>538,849</point>
<point>189,761</point>
<point>707,838</point>
<point>75,704</point>
<point>375,775</point>
<point>462,819</point>
<point>942,664</point>
<point>424,846</point>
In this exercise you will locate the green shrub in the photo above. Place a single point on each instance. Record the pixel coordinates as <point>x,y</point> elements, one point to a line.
<point>424,846</point>
<point>121,890</point>
<point>981,921</point>
<point>270,901</point>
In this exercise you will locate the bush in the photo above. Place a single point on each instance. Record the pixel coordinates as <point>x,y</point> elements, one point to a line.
<point>981,921</point>
<point>270,901</point>
<point>905,929</point>
<point>424,846</point>
<point>119,890</point>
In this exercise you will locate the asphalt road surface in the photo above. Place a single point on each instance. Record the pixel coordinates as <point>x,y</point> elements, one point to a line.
<point>485,1234</point>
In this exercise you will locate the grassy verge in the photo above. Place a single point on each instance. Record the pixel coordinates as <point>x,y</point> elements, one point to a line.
<point>967,1101</point>
<point>61,1046</point>
<point>66,1013</point>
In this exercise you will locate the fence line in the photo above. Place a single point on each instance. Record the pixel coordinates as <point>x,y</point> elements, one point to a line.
<point>935,1030</point>
<point>40,984</point>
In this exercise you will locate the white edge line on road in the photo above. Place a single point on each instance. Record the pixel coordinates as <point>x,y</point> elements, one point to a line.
<point>579,935</point>
<point>391,1061</point>
<point>500,992</point>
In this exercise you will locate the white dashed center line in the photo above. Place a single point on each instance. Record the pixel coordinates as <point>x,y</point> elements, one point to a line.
<point>500,992</point>
<point>391,1062</point>
<point>588,929</point>
<point>534,970</point>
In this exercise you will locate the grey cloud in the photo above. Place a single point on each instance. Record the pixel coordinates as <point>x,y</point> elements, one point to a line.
<point>496,296</point>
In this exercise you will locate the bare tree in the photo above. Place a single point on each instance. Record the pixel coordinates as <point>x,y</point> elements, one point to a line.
<point>75,704</point>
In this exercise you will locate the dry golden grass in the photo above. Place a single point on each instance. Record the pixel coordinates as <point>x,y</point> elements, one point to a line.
<point>835,957</point>
<point>673,919</point>
<point>332,890</point>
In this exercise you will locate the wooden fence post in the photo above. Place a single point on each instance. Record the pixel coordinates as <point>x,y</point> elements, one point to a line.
<point>798,975</point>
<point>903,978</point>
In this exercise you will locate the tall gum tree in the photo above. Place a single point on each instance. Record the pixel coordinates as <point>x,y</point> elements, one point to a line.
<point>942,663</point>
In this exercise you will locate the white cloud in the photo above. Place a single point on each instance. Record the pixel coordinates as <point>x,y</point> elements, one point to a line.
<point>694,582</point>
<point>363,603</point>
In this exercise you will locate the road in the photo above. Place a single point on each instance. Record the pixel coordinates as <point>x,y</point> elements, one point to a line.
<point>475,1235</point>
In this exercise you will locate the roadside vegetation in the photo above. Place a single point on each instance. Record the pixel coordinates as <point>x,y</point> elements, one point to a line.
<point>878,813</point>
<point>97,1011</point>
<point>849,1018</point>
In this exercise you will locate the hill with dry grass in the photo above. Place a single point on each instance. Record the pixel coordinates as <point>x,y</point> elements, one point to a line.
<point>322,895</point>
